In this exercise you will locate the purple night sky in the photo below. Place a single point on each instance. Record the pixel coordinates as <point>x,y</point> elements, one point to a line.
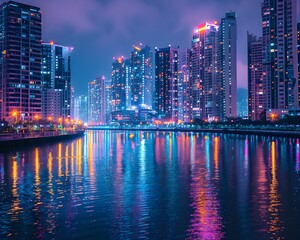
<point>101,29</point>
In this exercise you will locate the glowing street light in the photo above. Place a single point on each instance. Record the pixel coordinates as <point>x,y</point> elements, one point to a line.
<point>273,116</point>
<point>15,115</point>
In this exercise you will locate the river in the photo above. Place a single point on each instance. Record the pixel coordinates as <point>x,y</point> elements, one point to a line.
<point>152,185</point>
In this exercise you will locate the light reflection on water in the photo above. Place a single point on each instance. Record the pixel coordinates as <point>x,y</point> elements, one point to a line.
<point>113,185</point>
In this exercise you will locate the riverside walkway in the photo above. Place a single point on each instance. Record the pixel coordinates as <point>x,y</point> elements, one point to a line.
<point>285,132</point>
<point>12,140</point>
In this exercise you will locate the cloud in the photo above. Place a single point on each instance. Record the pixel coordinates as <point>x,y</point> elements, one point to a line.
<point>75,14</point>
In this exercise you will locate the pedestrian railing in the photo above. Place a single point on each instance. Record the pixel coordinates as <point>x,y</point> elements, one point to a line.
<point>28,135</point>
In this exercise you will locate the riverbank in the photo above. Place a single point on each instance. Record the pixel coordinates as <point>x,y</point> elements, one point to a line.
<point>239,131</point>
<point>16,140</point>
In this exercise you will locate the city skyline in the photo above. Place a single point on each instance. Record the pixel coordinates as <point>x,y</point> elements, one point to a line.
<point>131,119</point>
<point>97,38</point>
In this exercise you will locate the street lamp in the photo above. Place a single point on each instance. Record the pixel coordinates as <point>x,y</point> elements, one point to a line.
<point>60,122</point>
<point>273,116</point>
<point>15,115</point>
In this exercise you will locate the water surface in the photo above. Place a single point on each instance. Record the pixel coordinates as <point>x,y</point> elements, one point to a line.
<point>129,185</point>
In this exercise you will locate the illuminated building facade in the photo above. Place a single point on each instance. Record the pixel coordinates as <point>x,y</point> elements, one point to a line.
<point>128,78</point>
<point>56,74</point>
<point>166,83</point>
<point>280,53</point>
<point>141,76</point>
<point>205,72</point>
<point>72,101</point>
<point>298,46</point>
<point>52,101</point>
<point>242,102</point>
<point>227,99</point>
<point>256,91</point>
<point>20,65</point>
<point>97,101</point>
<point>120,84</point>
<point>185,88</point>
<point>81,108</point>
<point>108,109</point>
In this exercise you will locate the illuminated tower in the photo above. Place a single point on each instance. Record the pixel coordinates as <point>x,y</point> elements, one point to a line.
<point>97,100</point>
<point>108,109</point>
<point>142,76</point>
<point>227,98</point>
<point>205,72</point>
<point>120,84</point>
<point>298,42</point>
<point>56,80</point>
<point>256,91</point>
<point>72,101</point>
<point>185,88</point>
<point>20,65</point>
<point>279,29</point>
<point>166,83</point>
<point>81,108</point>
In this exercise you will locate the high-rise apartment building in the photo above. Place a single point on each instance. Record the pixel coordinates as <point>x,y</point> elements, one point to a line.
<point>256,90</point>
<point>185,87</point>
<point>108,109</point>
<point>72,101</point>
<point>166,83</point>
<point>280,53</point>
<point>298,47</point>
<point>56,75</point>
<point>97,101</point>
<point>242,102</point>
<point>141,76</point>
<point>81,108</point>
<point>205,72</point>
<point>120,84</point>
<point>20,63</point>
<point>227,105</point>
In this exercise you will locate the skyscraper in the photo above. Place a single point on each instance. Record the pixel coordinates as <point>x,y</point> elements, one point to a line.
<point>120,84</point>
<point>242,102</point>
<point>128,78</point>
<point>56,76</point>
<point>72,101</point>
<point>256,90</point>
<point>142,76</point>
<point>205,72</point>
<point>108,108</point>
<point>280,53</point>
<point>185,88</point>
<point>81,108</point>
<point>97,100</point>
<point>166,83</point>
<point>228,67</point>
<point>20,63</point>
<point>298,42</point>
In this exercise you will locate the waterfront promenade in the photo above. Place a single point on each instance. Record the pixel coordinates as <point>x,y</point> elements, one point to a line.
<point>291,131</point>
<point>10,140</point>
